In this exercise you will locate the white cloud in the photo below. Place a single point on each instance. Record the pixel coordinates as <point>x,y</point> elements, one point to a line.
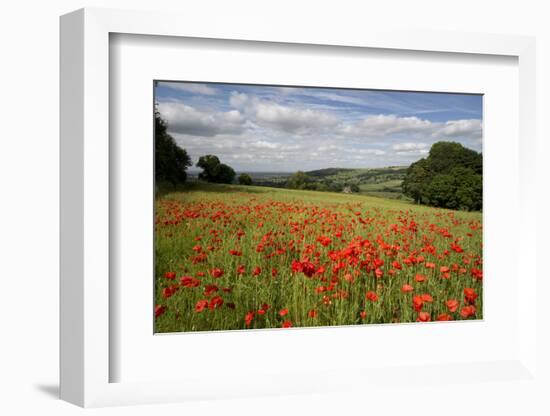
<point>284,118</point>
<point>409,146</point>
<point>470,128</point>
<point>331,96</point>
<point>376,152</point>
<point>238,100</point>
<point>264,145</point>
<point>203,89</point>
<point>291,119</point>
<point>384,125</point>
<point>184,119</point>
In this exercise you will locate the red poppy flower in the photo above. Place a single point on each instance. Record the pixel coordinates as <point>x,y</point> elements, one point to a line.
<point>468,311</point>
<point>429,265</point>
<point>210,289</point>
<point>452,305</point>
<point>378,263</point>
<point>287,324</point>
<point>248,318</point>
<point>241,269</point>
<point>308,268</point>
<point>257,271</point>
<point>169,291</point>
<point>216,272</point>
<point>188,281</point>
<point>426,297</point>
<point>312,313</point>
<point>373,297</point>
<point>274,272</point>
<point>444,269</point>
<point>444,317</point>
<point>159,310</point>
<point>215,302</point>
<point>470,295</point>
<point>418,303</point>
<point>283,312</point>
<point>236,253</point>
<point>456,248</point>
<point>396,265</point>
<point>363,314</point>
<point>201,305</point>
<point>420,278</point>
<point>200,258</point>
<point>477,274</point>
<point>424,317</point>
<point>378,273</point>
<point>170,275</point>
<point>406,288</point>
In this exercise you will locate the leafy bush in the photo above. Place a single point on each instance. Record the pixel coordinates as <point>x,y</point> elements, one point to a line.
<point>214,171</point>
<point>245,179</point>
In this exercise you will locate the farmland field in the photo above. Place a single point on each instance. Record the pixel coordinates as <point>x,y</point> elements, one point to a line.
<point>231,257</point>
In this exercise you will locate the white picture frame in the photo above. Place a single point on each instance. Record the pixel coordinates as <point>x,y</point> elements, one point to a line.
<point>85,354</point>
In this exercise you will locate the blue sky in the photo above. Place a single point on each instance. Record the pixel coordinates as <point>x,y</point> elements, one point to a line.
<point>266,128</point>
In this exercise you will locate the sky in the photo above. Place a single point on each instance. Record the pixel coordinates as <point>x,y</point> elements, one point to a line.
<point>256,128</point>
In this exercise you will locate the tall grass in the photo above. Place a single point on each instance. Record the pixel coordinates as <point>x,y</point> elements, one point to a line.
<point>199,225</point>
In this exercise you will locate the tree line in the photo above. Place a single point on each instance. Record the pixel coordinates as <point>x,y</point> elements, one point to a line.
<point>450,177</point>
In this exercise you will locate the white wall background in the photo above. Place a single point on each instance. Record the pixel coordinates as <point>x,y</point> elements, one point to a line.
<point>29,205</point>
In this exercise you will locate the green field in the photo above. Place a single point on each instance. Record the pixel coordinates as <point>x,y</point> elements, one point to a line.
<point>241,257</point>
<point>379,182</point>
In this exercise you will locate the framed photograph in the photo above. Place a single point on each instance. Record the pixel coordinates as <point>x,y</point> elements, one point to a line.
<point>284,206</point>
<point>292,208</point>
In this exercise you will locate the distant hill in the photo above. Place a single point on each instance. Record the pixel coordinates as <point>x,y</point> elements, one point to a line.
<point>354,172</point>
<point>381,182</point>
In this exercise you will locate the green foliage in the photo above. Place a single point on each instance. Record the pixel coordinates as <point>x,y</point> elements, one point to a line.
<point>245,179</point>
<point>450,177</point>
<point>214,171</point>
<point>171,161</point>
<point>298,180</point>
<point>417,178</point>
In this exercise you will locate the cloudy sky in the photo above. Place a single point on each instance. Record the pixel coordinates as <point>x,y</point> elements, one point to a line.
<point>283,129</point>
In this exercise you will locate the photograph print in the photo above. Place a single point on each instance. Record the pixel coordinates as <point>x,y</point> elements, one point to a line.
<point>291,206</point>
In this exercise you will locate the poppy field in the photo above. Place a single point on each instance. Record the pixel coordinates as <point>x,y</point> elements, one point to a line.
<point>230,257</point>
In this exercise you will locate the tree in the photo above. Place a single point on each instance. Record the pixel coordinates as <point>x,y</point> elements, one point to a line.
<point>440,192</point>
<point>416,179</point>
<point>171,161</point>
<point>468,189</point>
<point>214,171</point>
<point>444,156</point>
<point>245,179</point>
<point>450,177</point>
<point>298,180</point>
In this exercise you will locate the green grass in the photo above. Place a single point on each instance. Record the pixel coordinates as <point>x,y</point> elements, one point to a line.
<point>287,223</point>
